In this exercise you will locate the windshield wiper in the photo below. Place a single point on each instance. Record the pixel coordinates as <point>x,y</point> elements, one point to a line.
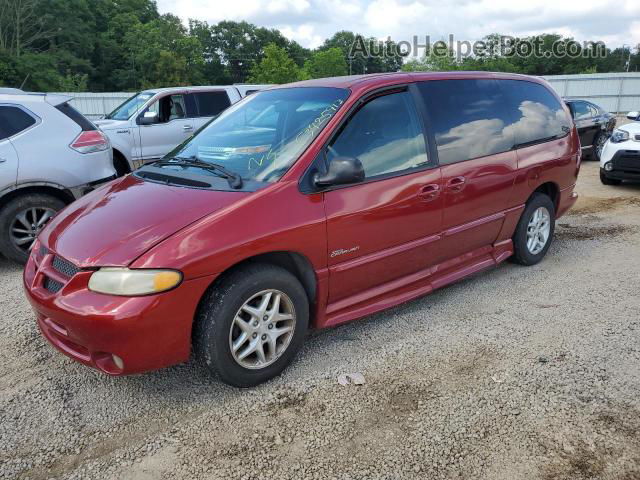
<point>234,179</point>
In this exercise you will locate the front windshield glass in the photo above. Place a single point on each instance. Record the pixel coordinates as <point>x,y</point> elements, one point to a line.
<point>130,106</point>
<point>263,135</point>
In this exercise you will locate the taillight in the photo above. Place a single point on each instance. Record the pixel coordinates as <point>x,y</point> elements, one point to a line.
<point>90,141</point>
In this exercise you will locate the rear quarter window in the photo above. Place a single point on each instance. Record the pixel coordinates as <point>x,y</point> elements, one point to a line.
<point>13,120</point>
<point>75,116</point>
<point>538,116</point>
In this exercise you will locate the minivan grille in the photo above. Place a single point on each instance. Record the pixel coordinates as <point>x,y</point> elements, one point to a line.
<point>64,267</point>
<point>52,285</point>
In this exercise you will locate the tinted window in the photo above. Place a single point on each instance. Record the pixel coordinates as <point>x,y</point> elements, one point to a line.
<point>76,116</point>
<point>210,104</point>
<point>581,110</point>
<point>385,135</point>
<point>538,115</point>
<point>14,120</point>
<point>469,118</point>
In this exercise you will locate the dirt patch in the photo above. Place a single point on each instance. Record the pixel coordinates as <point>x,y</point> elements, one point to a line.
<point>591,205</point>
<point>592,232</point>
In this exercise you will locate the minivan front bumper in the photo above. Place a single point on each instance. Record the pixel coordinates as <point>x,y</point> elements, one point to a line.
<point>116,335</point>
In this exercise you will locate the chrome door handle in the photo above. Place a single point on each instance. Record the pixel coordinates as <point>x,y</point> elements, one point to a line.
<point>2,160</point>
<point>456,184</point>
<point>187,127</point>
<point>429,192</point>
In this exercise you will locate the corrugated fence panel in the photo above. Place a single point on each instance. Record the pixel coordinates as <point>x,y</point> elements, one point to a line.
<point>95,105</point>
<point>615,92</point>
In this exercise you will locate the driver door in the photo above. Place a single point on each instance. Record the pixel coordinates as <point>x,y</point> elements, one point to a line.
<point>171,128</point>
<point>385,229</point>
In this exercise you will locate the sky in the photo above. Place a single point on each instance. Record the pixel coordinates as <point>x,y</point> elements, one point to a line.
<point>309,22</point>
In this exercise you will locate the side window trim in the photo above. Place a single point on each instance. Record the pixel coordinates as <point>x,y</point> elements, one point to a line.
<point>36,118</point>
<point>321,155</point>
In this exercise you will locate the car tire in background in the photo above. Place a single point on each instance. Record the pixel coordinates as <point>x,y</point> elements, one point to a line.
<point>598,145</point>
<point>259,308</point>
<point>21,219</point>
<point>608,181</point>
<point>535,229</point>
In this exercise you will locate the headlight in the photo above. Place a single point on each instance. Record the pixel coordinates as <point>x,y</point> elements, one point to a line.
<point>619,136</point>
<point>123,281</point>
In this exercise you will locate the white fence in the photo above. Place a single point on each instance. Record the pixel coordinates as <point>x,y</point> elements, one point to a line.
<point>95,105</point>
<point>615,92</point>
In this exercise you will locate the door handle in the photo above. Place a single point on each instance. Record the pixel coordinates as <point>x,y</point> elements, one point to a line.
<point>187,127</point>
<point>456,184</point>
<point>429,192</point>
<point>2,160</point>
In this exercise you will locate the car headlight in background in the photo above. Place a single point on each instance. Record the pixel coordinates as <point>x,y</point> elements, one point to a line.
<point>619,136</point>
<point>127,282</point>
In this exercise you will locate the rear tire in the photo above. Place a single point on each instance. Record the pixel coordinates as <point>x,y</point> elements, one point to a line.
<point>18,223</point>
<point>608,181</point>
<point>240,315</point>
<point>534,232</point>
<point>120,164</point>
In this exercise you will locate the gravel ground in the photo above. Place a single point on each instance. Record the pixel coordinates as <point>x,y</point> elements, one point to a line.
<point>515,373</point>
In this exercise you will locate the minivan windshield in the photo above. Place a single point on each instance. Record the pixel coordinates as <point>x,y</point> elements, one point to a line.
<point>130,106</point>
<point>260,137</point>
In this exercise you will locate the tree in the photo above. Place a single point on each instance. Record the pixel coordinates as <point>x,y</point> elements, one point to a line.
<point>21,25</point>
<point>436,60</point>
<point>276,67</point>
<point>326,63</point>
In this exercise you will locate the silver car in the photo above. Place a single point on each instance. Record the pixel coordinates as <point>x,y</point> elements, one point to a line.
<point>50,155</point>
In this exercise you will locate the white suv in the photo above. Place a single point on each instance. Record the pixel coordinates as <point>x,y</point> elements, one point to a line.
<point>50,155</point>
<point>620,158</point>
<point>151,123</point>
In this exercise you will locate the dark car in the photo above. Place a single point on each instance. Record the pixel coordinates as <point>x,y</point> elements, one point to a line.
<point>594,126</point>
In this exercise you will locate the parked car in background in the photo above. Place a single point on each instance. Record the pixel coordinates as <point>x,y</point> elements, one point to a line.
<point>151,123</point>
<point>620,159</point>
<point>309,204</point>
<point>50,155</point>
<point>594,126</point>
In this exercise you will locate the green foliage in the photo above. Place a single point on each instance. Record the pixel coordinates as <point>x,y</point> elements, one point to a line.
<point>115,45</point>
<point>275,67</point>
<point>326,63</point>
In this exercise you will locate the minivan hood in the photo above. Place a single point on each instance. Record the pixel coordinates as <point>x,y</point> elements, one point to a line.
<point>111,124</point>
<point>117,223</point>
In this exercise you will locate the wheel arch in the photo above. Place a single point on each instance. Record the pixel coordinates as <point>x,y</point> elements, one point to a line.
<point>56,191</point>
<point>120,162</point>
<point>550,189</point>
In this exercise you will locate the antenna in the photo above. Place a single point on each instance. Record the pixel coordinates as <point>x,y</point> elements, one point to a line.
<point>24,81</point>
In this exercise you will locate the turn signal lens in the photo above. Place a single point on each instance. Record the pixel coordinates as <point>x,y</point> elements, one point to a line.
<point>127,282</point>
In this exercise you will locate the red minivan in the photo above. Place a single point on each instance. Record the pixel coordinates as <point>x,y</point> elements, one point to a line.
<point>305,205</point>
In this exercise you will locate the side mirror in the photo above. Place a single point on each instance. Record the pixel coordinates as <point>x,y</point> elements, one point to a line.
<point>148,118</point>
<point>633,115</point>
<point>342,171</point>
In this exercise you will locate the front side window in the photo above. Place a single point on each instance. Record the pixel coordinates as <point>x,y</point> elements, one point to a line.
<point>385,135</point>
<point>168,108</point>
<point>13,120</point>
<point>260,137</point>
<point>130,106</point>
<point>469,118</point>
<point>581,110</point>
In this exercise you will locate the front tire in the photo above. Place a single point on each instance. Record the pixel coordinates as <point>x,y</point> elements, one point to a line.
<point>250,326</point>
<point>598,145</point>
<point>608,181</point>
<point>21,220</point>
<point>534,232</point>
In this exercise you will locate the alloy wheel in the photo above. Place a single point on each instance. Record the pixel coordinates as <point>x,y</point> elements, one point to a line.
<point>27,224</point>
<point>538,230</point>
<point>602,139</point>
<point>262,329</point>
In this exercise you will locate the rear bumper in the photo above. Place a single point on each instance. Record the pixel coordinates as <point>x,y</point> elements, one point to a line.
<point>147,333</point>
<point>82,190</point>
<point>567,198</point>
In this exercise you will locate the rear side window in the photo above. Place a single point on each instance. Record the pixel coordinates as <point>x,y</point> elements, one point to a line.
<point>76,116</point>
<point>538,115</point>
<point>385,135</point>
<point>13,120</point>
<point>209,104</point>
<point>581,110</point>
<point>469,118</point>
